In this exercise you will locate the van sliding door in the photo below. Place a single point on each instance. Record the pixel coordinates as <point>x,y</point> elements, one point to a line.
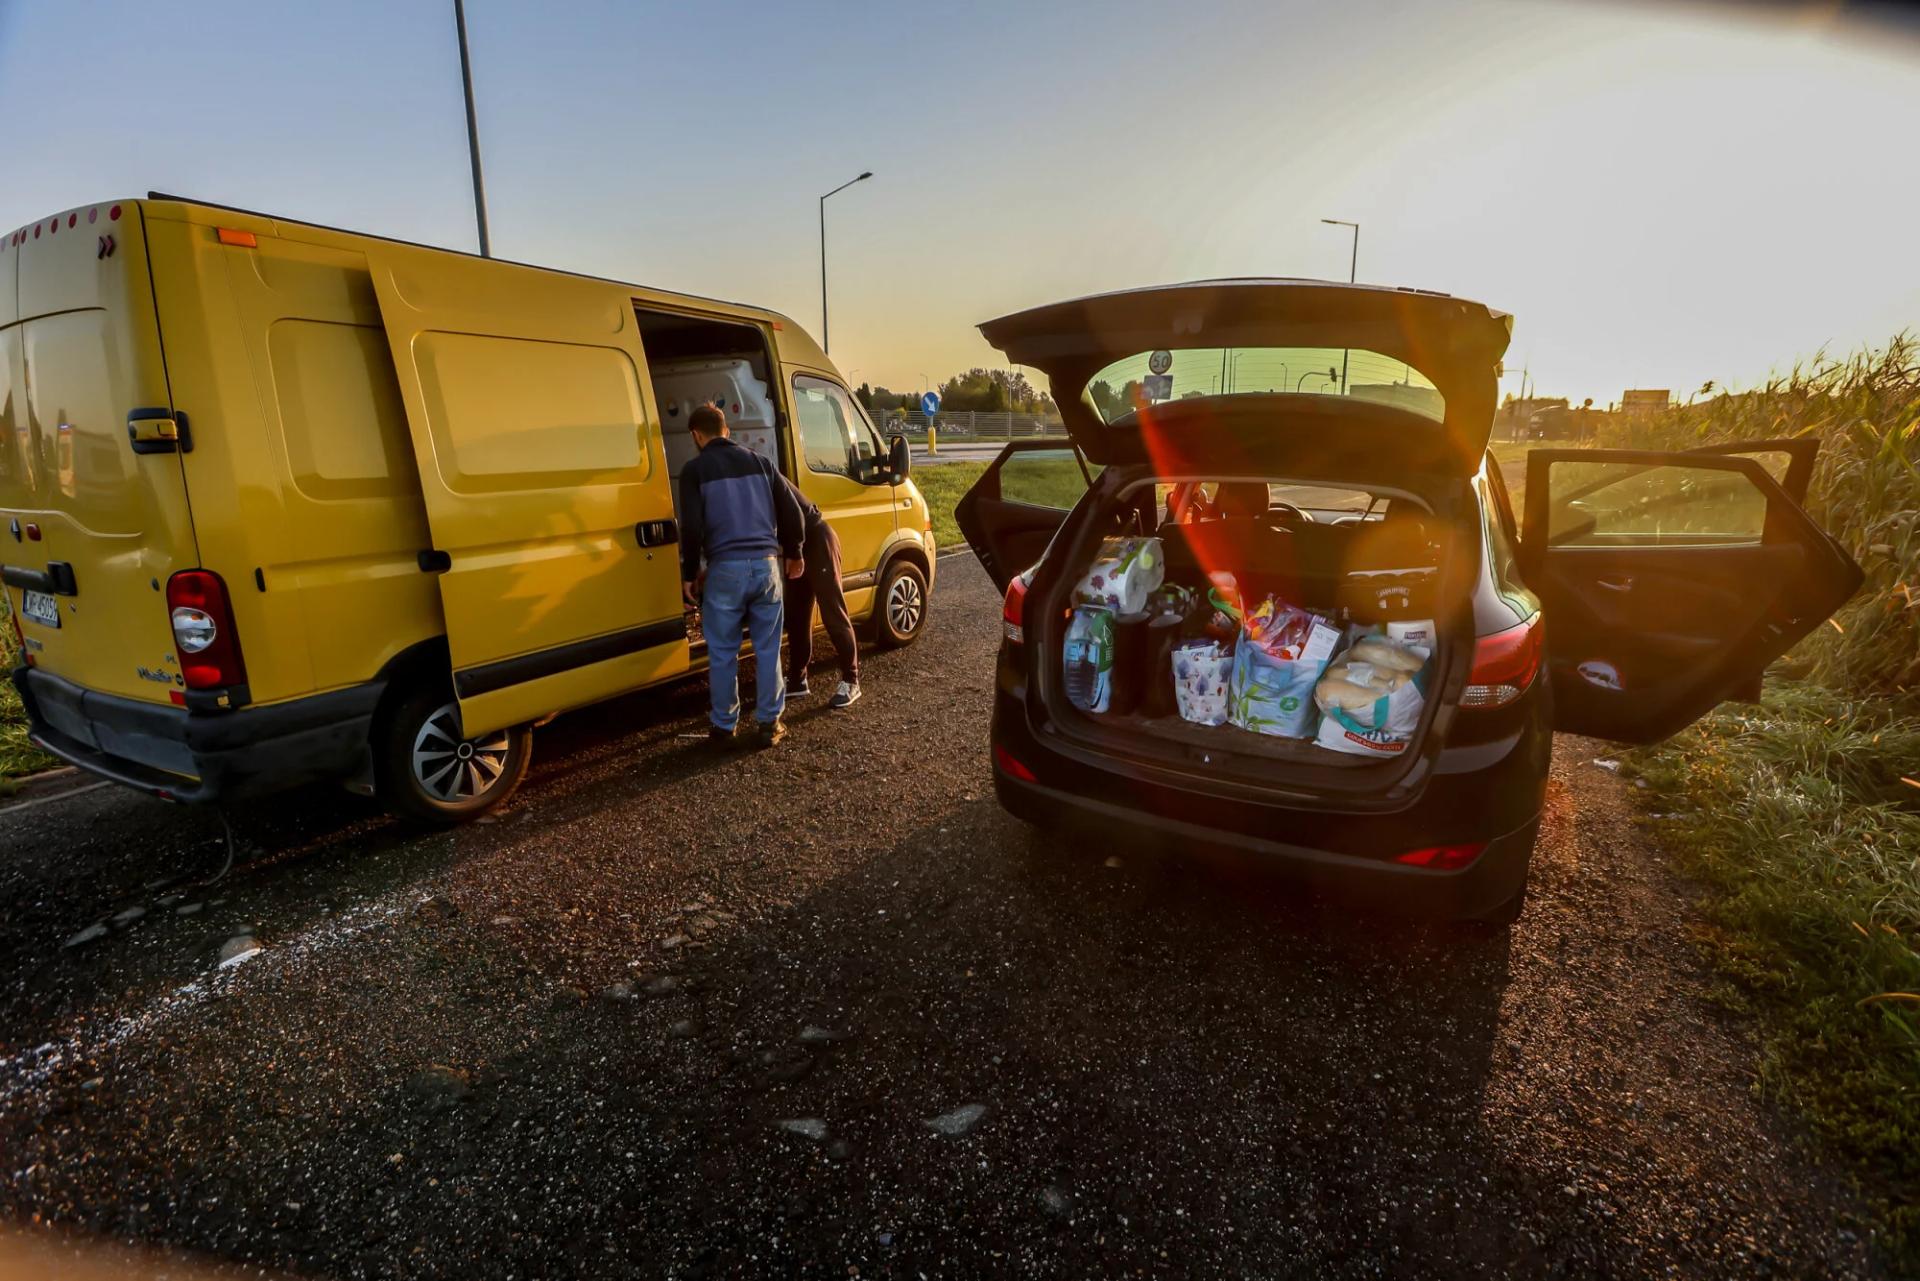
<point>546,487</point>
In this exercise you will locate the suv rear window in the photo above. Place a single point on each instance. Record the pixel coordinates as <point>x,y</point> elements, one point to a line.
<point>1129,385</point>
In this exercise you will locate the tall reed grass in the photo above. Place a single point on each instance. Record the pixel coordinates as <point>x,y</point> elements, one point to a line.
<point>1802,814</point>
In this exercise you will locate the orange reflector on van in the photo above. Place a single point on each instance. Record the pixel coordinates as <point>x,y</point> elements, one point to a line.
<point>244,239</point>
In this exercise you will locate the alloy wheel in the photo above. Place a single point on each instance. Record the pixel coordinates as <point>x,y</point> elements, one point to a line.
<point>450,768</point>
<point>905,604</point>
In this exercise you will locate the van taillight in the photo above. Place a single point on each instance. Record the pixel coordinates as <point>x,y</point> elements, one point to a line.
<point>1504,665</point>
<point>1013,611</point>
<point>203,631</point>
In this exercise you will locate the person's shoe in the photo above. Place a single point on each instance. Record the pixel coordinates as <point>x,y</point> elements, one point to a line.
<point>799,688</point>
<point>846,696</point>
<point>720,740</point>
<point>769,732</point>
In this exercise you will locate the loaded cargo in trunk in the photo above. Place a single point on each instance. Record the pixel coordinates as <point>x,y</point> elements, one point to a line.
<point>1261,629</point>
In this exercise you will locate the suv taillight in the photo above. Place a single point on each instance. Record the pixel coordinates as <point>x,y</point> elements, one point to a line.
<point>1013,610</point>
<point>203,630</point>
<point>1504,665</point>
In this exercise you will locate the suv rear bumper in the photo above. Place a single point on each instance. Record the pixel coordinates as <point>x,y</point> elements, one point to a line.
<point>195,757</point>
<point>1489,792</point>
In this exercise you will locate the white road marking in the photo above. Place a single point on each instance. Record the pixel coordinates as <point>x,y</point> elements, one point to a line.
<point>48,800</point>
<point>22,1073</point>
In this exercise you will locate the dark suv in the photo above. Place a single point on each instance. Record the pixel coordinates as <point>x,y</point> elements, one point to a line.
<point>1637,590</point>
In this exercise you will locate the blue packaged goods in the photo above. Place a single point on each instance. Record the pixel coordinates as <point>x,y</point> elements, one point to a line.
<point>1089,658</point>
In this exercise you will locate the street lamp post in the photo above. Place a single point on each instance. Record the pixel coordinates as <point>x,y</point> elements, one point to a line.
<point>823,254</point>
<point>1353,274</point>
<point>473,131</point>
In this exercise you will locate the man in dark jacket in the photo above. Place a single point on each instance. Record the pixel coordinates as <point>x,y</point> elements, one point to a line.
<point>821,583</point>
<point>736,511</point>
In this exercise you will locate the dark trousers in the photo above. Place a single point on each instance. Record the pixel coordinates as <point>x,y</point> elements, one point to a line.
<point>821,583</point>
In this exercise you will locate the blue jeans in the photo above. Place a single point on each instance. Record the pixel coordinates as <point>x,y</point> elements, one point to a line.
<point>743,592</point>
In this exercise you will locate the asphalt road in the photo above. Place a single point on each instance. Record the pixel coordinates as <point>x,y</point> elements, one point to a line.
<point>964,451</point>
<point>828,1011</point>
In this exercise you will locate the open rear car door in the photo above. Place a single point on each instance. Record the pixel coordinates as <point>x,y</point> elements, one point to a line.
<point>1015,508</point>
<point>1670,580</point>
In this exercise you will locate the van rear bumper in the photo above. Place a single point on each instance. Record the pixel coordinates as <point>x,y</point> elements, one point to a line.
<point>197,757</point>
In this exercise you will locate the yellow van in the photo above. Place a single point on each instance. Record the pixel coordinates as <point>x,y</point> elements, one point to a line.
<point>280,502</point>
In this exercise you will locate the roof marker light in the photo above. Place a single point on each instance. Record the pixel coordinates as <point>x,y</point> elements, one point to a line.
<point>93,214</point>
<point>72,218</point>
<point>244,239</point>
<point>114,213</point>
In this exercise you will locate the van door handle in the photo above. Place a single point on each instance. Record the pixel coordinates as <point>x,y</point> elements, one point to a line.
<point>56,580</point>
<point>657,533</point>
<point>1623,583</point>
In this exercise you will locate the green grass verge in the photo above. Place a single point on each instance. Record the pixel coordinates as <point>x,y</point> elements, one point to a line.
<point>1795,815</point>
<point>17,755</point>
<point>1802,815</point>
<point>943,484</point>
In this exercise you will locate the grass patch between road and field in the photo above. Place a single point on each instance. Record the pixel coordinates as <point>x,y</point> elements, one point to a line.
<point>17,755</point>
<point>1795,814</point>
<point>943,485</point>
<point>1801,814</point>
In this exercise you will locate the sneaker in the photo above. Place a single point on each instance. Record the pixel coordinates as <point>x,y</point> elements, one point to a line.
<point>769,733</point>
<point>720,740</point>
<point>798,688</point>
<point>846,696</point>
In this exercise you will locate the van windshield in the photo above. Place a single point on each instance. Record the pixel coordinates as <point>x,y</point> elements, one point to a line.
<point>1152,378</point>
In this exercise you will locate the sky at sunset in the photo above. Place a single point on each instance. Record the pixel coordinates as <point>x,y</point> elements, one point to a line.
<point>1661,196</point>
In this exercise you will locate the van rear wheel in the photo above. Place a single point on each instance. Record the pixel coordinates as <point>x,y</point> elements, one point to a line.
<point>427,769</point>
<point>900,606</point>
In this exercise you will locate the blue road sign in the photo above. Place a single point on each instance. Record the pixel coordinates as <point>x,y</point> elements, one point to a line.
<point>930,403</point>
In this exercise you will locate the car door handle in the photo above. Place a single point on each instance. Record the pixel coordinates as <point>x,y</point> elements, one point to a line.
<point>1621,583</point>
<point>656,533</point>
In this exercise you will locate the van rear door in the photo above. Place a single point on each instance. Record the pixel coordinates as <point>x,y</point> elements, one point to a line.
<point>90,458</point>
<point>545,482</point>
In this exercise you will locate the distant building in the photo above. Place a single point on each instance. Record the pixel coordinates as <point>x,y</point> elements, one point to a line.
<point>1636,403</point>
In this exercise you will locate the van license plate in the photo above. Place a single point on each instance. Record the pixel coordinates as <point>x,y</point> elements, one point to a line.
<point>42,608</point>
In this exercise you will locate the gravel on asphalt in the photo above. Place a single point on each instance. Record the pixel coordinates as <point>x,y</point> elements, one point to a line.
<point>827,1010</point>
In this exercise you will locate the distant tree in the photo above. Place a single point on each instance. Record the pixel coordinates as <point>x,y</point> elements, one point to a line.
<point>1107,400</point>
<point>864,394</point>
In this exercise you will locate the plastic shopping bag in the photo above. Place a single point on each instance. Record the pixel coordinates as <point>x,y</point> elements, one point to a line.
<point>1282,652</point>
<point>1372,698</point>
<point>1201,670</point>
<point>1124,572</point>
<point>1089,658</point>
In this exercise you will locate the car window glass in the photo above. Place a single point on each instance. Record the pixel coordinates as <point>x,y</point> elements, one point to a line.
<point>827,433</point>
<point>1502,542</point>
<point>866,439</point>
<point>1501,504</point>
<point>1613,504</point>
<point>1042,478</point>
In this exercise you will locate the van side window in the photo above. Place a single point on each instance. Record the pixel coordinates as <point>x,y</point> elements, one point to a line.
<point>834,434</point>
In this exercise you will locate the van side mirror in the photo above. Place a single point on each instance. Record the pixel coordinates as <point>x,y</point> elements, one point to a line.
<point>899,459</point>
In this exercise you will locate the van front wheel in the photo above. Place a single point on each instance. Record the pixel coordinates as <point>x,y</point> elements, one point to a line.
<point>427,769</point>
<point>900,606</point>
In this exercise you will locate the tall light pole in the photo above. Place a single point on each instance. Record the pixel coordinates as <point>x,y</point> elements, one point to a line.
<point>1353,274</point>
<point>823,254</point>
<point>473,130</point>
